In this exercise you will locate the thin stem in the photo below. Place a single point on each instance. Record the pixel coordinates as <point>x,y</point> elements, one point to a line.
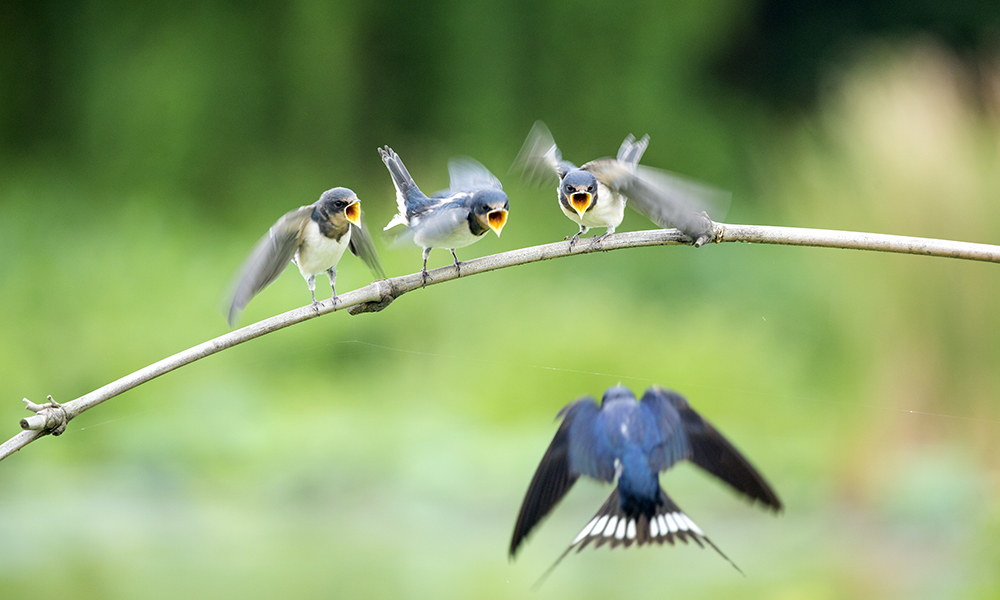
<point>378,294</point>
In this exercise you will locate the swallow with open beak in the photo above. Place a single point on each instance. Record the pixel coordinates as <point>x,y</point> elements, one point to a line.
<point>473,204</point>
<point>313,237</point>
<point>634,441</point>
<point>595,194</point>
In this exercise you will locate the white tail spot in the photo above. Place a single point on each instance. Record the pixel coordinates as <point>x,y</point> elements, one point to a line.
<point>620,532</point>
<point>681,523</point>
<point>653,529</point>
<point>663,525</point>
<point>693,527</point>
<point>585,531</point>
<point>630,531</point>
<point>670,523</point>
<point>611,526</point>
<point>599,527</point>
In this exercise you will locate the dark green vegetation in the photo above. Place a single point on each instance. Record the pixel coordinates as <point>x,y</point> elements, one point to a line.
<point>145,148</point>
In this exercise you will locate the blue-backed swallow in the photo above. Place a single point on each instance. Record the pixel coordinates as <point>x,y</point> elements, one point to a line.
<point>634,441</point>
<point>473,204</point>
<point>313,237</point>
<point>595,194</point>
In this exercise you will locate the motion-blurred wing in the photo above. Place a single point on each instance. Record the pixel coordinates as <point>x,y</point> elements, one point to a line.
<point>555,475</point>
<point>713,453</point>
<point>362,246</point>
<point>466,175</point>
<point>539,156</point>
<point>268,259</point>
<point>667,199</point>
<point>631,151</point>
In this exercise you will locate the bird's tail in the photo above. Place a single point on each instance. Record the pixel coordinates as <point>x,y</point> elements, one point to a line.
<point>631,151</point>
<point>408,194</point>
<point>657,522</point>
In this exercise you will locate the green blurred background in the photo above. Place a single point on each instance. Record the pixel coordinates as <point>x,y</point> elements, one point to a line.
<point>144,148</point>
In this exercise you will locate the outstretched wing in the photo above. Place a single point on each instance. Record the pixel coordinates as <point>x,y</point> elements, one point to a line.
<point>539,156</point>
<point>268,259</point>
<point>466,175</point>
<point>667,199</point>
<point>362,246</point>
<point>708,449</point>
<point>559,468</point>
<point>631,151</point>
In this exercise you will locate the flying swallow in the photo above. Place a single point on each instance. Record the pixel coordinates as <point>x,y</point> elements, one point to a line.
<point>634,441</point>
<point>473,204</point>
<point>595,194</point>
<point>313,237</point>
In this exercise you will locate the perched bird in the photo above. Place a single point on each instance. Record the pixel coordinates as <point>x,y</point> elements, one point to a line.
<point>314,237</point>
<point>634,441</point>
<point>473,204</point>
<point>595,194</point>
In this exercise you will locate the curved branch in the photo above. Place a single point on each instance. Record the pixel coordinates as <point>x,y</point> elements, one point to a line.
<point>52,417</point>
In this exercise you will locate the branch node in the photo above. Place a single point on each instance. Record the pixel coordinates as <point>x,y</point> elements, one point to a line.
<point>385,299</point>
<point>50,417</point>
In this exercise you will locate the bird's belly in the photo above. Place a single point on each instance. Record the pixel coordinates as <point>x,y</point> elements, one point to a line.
<point>459,237</point>
<point>318,253</point>
<point>608,212</point>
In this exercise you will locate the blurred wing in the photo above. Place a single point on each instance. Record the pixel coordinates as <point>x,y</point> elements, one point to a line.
<point>667,199</point>
<point>466,175</point>
<point>675,446</point>
<point>631,151</point>
<point>539,156</point>
<point>268,259</point>
<point>554,476</point>
<point>713,453</point>
<point>362,246</point>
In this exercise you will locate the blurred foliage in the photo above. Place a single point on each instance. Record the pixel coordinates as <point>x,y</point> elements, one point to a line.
<point>145,147</point>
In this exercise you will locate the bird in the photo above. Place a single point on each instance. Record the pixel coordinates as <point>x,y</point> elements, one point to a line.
<point>313,237</point>
<point>595,194</point>
<point>634,441</point>
<point>473,204</point>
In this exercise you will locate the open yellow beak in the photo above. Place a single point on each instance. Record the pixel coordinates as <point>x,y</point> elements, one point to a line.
<point>497,219</point>
<point>580,201</point>
<point>353,212</point>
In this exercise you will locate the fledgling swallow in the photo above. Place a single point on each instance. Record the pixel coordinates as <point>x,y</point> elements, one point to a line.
<point>634,441</point>
<point>595,194</point>
<point>473,204</point>
<point>313,237</point>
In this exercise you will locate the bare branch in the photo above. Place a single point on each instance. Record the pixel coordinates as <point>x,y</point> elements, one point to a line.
<point>52,416</point>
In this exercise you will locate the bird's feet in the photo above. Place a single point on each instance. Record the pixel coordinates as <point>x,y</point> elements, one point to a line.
<point>595,242</point>
<point>423,277</point>
<point>573,239</point>
<point>707,234</point>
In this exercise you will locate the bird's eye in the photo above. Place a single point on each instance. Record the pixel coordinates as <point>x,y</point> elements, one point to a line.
<point>590,189</point>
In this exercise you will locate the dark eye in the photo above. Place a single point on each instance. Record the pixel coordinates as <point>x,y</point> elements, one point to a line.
<point>590,189</point>
<point>339,204</point>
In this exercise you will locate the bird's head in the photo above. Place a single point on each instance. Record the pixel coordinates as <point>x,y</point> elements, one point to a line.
<point>490,208</point>
<point>339,206</point>
<point>578,190</point>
